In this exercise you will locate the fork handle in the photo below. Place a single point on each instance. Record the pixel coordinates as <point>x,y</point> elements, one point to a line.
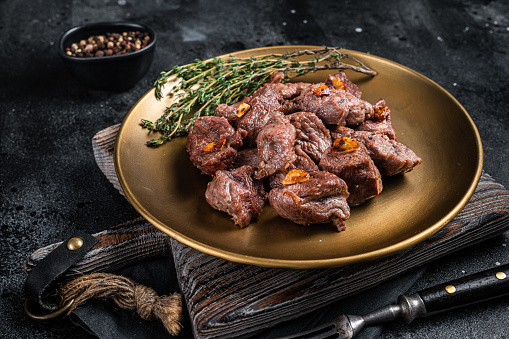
<point>467,290</point>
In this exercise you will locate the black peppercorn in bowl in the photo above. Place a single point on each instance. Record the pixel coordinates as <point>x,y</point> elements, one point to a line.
<point>109,56</point>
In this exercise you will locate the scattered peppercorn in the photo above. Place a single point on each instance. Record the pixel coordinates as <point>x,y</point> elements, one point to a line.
<point>109,44</point>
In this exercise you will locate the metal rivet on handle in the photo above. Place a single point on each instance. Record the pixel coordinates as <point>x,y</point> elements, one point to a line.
<point>501,275</point>
<point>450,289</point>
<point>74,243</point>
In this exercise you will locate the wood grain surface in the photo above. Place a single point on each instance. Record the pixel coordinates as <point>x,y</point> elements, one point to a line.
<point>226,299</point>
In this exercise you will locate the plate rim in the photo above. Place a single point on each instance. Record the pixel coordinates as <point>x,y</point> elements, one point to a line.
<point>306,263</point>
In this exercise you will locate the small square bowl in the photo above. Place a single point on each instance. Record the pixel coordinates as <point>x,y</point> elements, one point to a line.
<point>113,73</point>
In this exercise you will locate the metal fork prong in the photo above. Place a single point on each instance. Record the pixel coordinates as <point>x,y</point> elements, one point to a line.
<point>322,332</point>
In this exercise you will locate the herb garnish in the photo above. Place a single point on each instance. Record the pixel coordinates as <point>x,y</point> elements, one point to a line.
<point>206,84</point>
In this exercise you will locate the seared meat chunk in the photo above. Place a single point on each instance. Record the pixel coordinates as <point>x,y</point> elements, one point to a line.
<point>275,144</point>
<point>265,104</point>
<point>341,81</point>
<point>320,199</point>
<point>332,106</point>
<point>292,89</point>
<point>288,90</point>
<point>356,168</point>
<point>302,162</point>
<point>380,122</point>
<point>391,157</point>
<point>312,135</point>
<point>230,111</point>
<point>401,161</point>
<point>341,131</point>
<point>237,193</point>
<point>212,144</point>
<point>246,157</point>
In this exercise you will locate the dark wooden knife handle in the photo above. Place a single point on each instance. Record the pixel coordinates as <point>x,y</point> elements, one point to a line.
<point>467,290</point>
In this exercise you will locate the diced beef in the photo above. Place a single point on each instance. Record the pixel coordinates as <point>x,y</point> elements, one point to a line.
<point>288,90</point>
<point>292,89</point>
<point>275,144</point>
<point>246,157</point>
<point>265,104</point>
<point>401,161</point>
<point>333,106</point>
<point>237,193</point>
<point>320,199</point>
<point>358,171</point>
<point>341,81</point>
<point>380,122</point>
<point>302,162</point>
<point>312,135</point>
<point>230,111</point>
<point>341,131</point>
<point>212,144</point>
<point>276,78</point>
<point>391,157</point>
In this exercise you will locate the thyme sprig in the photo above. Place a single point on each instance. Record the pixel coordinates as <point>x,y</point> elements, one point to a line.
<point>204,85</point>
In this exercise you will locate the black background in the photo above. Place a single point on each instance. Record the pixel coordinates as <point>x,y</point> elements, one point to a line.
<point>51,185</point>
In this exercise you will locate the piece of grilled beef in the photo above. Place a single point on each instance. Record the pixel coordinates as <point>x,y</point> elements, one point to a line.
<point>287,90</point>
<point>275,143</point>
<point>246,157</point>
<point>341,81</point>
<point>302,162</point>
<point>237,193</point>
<point>357,169</point>
<point>312,135</point>
<point>230,111</point>
<point>265,104</point>
<point>320,199</point>
<point>391,157</point>
<point>212,144</point>
<point>333,106</point>
<point>380,122</point>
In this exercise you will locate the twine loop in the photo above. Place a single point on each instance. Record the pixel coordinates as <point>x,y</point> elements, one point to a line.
<point>127,294</point>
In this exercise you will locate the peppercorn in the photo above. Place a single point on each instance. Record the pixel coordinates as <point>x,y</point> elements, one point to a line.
<point>109,44</point>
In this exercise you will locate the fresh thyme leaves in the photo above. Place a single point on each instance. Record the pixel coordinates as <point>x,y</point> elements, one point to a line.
<point>204,85</point>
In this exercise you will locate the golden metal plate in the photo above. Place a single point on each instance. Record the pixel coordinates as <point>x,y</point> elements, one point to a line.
<point>168,191</point>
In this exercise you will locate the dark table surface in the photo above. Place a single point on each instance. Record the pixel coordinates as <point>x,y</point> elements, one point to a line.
<point>51,185</point>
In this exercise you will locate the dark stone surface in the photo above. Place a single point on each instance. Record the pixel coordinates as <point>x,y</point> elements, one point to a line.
<point>50,184</point>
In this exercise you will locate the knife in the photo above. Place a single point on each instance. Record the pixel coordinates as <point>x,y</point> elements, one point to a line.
<point>443,297</point>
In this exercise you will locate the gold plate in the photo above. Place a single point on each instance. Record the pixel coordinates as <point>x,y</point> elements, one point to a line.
<point>169,192</point>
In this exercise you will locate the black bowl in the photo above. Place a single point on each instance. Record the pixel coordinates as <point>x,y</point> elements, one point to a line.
<point>109,73</point>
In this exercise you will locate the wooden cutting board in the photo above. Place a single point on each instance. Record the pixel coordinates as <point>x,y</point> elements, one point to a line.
<point>227,299</point>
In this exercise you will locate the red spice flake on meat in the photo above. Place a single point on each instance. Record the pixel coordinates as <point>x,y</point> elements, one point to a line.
<point>344,145</point>
<point>214,146</point>
<point>294,176</point>
<point>322,90</point>
<point>243,108</point>
<point>338,83</point>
